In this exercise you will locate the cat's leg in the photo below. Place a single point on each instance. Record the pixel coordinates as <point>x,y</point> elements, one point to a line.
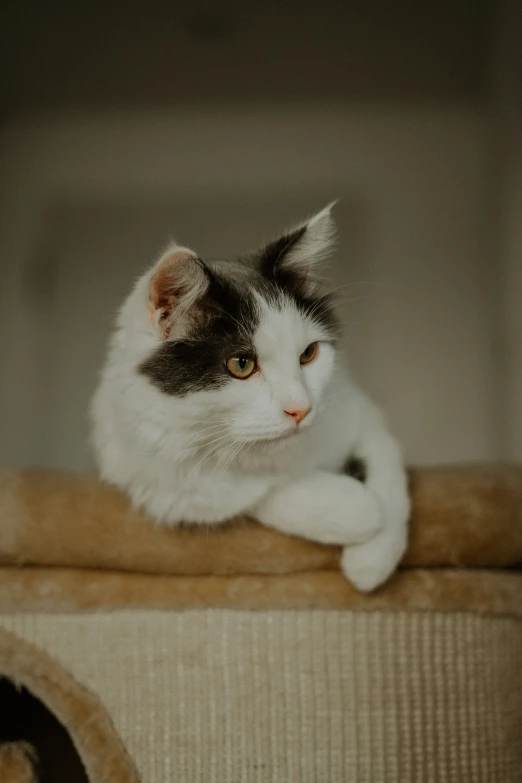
<point>323,507</point>
<point>369,564</point>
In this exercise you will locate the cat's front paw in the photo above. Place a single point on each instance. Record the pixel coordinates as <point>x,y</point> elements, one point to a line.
<point>344,511</point>
<point>361,513</point>
<point>369,565</point>
<point>328,508</point>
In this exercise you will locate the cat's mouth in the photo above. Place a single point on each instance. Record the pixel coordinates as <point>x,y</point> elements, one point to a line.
<point>278,438</point>
<point>272,438</point>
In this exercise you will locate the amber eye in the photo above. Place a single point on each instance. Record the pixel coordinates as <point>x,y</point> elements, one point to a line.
<point>309,354</point>
<point>242,366</point>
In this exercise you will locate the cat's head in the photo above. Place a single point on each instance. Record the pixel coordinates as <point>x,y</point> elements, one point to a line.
<point>243,349</point>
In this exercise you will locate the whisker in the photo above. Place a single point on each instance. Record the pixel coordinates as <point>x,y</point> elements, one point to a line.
<point>234,455</point>
<point>205,430</point>
<point>331,291</point>
<point>222,458</point>
<point>210,454</point>
<point>209,443</point>
<point>200,436</point>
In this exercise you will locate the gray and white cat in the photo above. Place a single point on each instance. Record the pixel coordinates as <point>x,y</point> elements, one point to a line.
<point>223,394</point>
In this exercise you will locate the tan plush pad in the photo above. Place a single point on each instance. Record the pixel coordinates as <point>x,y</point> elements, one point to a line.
<point>86,548</point>
<point>466,516</point>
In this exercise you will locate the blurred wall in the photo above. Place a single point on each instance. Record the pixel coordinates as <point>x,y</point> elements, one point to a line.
<point>222,124</point>
<point>117,55</point>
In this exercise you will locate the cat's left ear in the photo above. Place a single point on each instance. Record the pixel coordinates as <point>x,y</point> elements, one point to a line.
<point>292,259</point>
<point>176,291</point>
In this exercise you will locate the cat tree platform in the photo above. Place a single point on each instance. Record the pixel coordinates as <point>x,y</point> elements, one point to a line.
<point>130,652</point>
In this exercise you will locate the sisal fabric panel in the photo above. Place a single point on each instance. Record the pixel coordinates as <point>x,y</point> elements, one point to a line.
<point>301,696</point>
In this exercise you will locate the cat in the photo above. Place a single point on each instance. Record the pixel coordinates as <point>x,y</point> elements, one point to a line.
<point>223,394</point>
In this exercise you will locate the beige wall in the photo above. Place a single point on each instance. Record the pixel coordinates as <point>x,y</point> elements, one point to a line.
<point>222,123</point>
<point>164,55</point>
<point>88,203</point>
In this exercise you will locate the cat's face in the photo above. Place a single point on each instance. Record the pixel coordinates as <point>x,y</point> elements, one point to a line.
<point>244,349</point>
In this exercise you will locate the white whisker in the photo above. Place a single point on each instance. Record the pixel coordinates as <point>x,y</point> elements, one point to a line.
<point>229,461</point>
<point>206,444</point>
<point>210,454</point>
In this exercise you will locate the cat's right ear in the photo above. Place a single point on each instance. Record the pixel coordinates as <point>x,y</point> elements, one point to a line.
<point>291,259</point>
<point>177,285</point>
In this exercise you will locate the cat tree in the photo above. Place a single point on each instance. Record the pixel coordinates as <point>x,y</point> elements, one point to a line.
<point>238,654</point>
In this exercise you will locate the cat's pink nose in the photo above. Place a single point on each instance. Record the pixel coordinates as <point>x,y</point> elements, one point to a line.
<point>298,414</point>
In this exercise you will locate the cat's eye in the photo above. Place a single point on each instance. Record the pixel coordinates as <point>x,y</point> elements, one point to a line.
<point>309,353</point>
<point>241,366</point>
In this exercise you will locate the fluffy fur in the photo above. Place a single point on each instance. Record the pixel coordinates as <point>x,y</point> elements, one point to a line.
<point>188,442</point>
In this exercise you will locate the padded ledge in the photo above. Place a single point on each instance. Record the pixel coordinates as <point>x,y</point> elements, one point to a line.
<point>82,590</point>
<point>462,516</point>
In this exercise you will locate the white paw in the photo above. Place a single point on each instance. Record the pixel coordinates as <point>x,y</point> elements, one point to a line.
<point>348,512</point>
<point>370,564</point>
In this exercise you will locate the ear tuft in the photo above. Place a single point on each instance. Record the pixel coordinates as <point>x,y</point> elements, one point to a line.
<point>178,283</point>
<point>319,239</point>
<point>292,258</point>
